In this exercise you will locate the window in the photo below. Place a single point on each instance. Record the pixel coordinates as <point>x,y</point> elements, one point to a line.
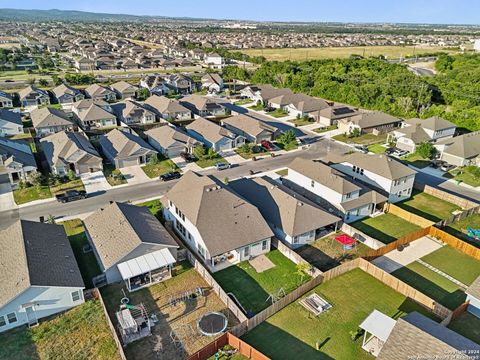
<point>12,318</point>
<point>180,214</point>
<point>264,244</point>
<point>202,251</point>
<point>2,321</point>
<point>180,228</point>
<point>76,296</point>
<point>348,196</point>
<point>295,239</point>
<point>246,251</point>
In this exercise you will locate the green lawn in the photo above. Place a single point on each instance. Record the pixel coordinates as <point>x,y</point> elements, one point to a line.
<point>206,162</point>
<point>86,261</point>
<point>458,265</point>
<point>386,227</point>
<point>428,206</point>
<point>293,332</point>
<point>255,150</point>
<point>416,160</point>
<point>278,113</point>
<point>70,185</point>
<point>431,284</point>
<point>251,288</point>
<point>466,175</point>
<point>164,166</point>
<point>80,333</point>
<point>377,148</point>
<point>113,180</point>
<point>459,228</point>
<point>302,121</point>
<point>325,129</point>
<point>283,172</point>
<point>22,196</point>
<point>256,107</point>
<point>155,207</point>
<point>365,139</point>
<point>467,325</point>
<point>243,102</point>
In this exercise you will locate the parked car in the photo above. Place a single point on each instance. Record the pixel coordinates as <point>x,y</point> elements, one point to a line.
<point>170,176</point>
<point>447,167</point>
<point>71,195</point>
<point>399,153</point>
<point>222,166</point>
<point>389,151</point>
<point>187,157</point>
<point>267,144</point>
<point>436,164</point>
<point>361,148</point>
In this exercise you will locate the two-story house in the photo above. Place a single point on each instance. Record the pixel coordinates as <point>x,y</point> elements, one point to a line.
<point>17,160</point>
<point>32,96</point>
<point>203,106</point>
<point>132,112</point>
<point>10,123</point>
<point>168,109</point>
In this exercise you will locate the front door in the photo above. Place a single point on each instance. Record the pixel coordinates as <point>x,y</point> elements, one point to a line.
<point>31,315</point>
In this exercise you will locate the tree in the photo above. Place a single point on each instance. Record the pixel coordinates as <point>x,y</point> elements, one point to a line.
<point>71,175</point>
<point>35,178</point>
<point>143,94</point>
<point>43,82</point>
<point>225,180</point>
<point>355,132</point>
<point>153,160</point>
<point>287,137</point>
<point>51,219</point>
<point>245,148</point>
<point>199,152</point>
<point>426,150</point>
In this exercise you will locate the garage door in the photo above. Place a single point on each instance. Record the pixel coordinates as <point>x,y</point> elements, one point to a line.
<point>128,162</point>
<point>4,179</point>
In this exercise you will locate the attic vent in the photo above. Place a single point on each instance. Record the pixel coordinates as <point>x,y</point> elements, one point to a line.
<point>67,257</point>
<point>72,271</point>
<point>300,203</point>
<point>208,190</point>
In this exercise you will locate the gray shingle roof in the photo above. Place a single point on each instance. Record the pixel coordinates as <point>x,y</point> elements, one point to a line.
<point>373,119</point>
<point>63,89</point>
<point>164,105</point>
<point>46,117</point>
<point>465,146</point>
<point>210,130</point>
<point>35,254</point>
<point>120,143</point>
<point>18,150</point>
<point>434,123</point>
<point>121,86</point>
<point>168,135</point>
<point>120,228</point>
<point>249,125</point>
<point>11,116</point>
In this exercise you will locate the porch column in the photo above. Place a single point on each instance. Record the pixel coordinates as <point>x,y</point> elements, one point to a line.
<point>150,275</point>
<point>364,338</point>
<point>128,285</point>
<point>336,226</point>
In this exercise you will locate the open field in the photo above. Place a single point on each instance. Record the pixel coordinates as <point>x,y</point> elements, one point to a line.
<point>252,289</point>
<point>331,329</point>
<point>428,206</point>
<point>80,333</point>
<point>298,54</point>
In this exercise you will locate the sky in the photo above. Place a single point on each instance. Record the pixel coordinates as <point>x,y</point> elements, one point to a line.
<point>405,11</point>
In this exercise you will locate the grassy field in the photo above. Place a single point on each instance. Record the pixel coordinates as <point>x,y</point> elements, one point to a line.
<point>385,228</point>
<point>428,206</point>
<point>365,139</point>
<point>87,262</point>
<point>283,172</point>
<point>431,284</point>
<point>164,166</point>
<point>300,54</point>
<point>251,288</point>
<point>80,333</point>
<point>467,325</point>
<point>302,121</point>
<point>70,185</point>
<point>459,228</point>
<point>278,113</point>
<point>293,332</point>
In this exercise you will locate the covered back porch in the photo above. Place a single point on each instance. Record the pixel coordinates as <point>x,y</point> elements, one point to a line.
<point>377,327</point>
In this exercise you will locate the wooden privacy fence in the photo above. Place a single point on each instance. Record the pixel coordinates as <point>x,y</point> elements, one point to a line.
<point>295,257</point>
<point>455,242</point>
<point>458,216</point>
<point>365,239</point>
<point>228,339</point>
<point>406,215</point>
<point>443,195</point>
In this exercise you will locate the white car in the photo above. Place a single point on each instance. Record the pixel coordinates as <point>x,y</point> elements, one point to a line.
<point>222,166</point>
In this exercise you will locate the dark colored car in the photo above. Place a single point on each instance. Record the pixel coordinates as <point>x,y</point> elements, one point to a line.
<point>71,195</point>
<point>170,176</point>
<point>267,144</point>
<point>187,157</point>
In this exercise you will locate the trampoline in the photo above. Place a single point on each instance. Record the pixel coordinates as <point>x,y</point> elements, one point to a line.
<point>212,324</point>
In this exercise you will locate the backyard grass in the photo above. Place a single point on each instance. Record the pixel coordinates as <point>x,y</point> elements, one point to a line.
<point>302,121</point>
<point>416,160</point>
<point>428,206</point>
<point>385,228</point>
<point>252,289</point>
<point>155,170</point>
<point>22,196</point>
<point>112,179</point>
<point>283,172</point>
<point>207,162</point>
<point>467,175</point>
<point>459,228</point>
<point>278,113</point>
<point>458,265</point>
<point>327,253</point>
<point>293,332</point>
<point>431,284</point>
<point>80,333</point>
<point>377,149</point>
<point>365,139</point>
<point>321,130</point>
<point>467,325</point>
<point>87,262</point>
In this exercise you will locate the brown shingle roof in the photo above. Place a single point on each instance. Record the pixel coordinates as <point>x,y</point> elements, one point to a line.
<point>209,130</point>
<point>46,117</point>
<point>249,125</point>
<point>167,135</point>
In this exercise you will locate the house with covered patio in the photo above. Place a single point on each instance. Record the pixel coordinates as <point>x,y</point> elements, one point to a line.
<point>131,245</point>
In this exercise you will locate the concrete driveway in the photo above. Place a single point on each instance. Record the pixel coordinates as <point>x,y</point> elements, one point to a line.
<point>135,175</point>
<point>95,182</point>
<point>395,259</point>
<point>6,197</point>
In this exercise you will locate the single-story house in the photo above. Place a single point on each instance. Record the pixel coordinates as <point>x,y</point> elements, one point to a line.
<point>212,82</point>
<point>299,105</point>
<point>171,141</point>
<point>263,93</point>
<point>39,276</point>
<point>10,123</point>
<point>94,114</point>
<point>124,90</point>
<point>32,96</point>
<point>293,219</point>
<point>252,129</point>
<point>460,150</point>
<point>49,121</point>
<point>214,136</point>
<point>6,100</point>
<point>203,106</point>
<point>131,245</point>
<point>155,84</point>
<point>123,147</point>
<point>372,122</point>
<point>66,94</point>
<point>133,112</point>
<point>331,115</point>
<point>168,109</point>
<point>216,223</point>
<point>99,92</point>
<point>16,160</point>
<point>66,150</point>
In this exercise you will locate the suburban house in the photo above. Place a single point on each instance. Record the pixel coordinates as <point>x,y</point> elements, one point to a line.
<point>332,190</point>
<point>125,148</point>
<point>99,92</point>
<point>39,274</point>
<point>385,174</point>
<point>254,130</point>
<point>263,93</point>
<point>214,61</point>
<point>171,141</point>
<point>65,151</point>
<point>94,114</point>
<point>416,131</point>
<point>179,83</point>
<point>16,161</point>
<point>132,112</point>
<point>293,219</point>
<point>216,223</point>
<point>331,115</point>
<point>155,84</point>
<point>214,136</point>
<point>473,297</point>
<point>131,245</point>
<point>66,94</point>
<point>413,336</point>
<point>10,123</point>
<point>460,150</point>
<point>49,121</point>
<point>213,83</point>
<point>168,109</point>
<point>124,90</point>
<point>6,100</point>
<point>203,106</point>
<point>299,105</point>
<point>32,96</point>
<point>84,64</point>
<point>373,122</point>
